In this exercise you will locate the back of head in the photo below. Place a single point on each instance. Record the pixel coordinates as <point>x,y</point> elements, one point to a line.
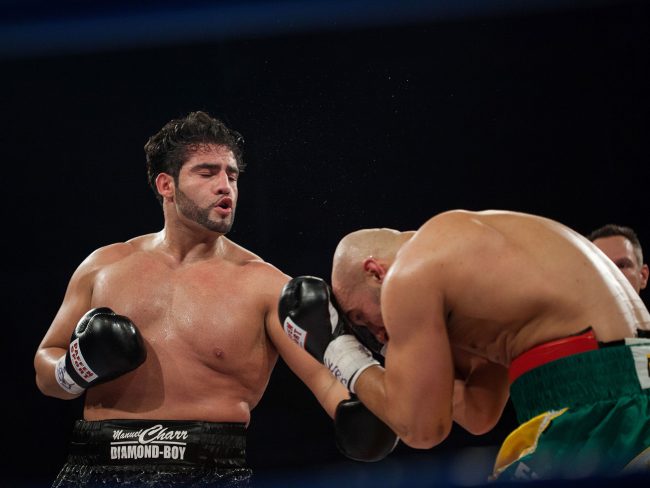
<point>167,150</point>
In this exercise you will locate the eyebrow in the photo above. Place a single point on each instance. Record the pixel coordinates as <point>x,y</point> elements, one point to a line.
<point>231,169</point>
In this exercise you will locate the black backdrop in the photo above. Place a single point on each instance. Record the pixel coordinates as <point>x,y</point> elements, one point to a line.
<point>346,127</point>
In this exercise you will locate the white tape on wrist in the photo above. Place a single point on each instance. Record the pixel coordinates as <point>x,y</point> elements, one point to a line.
<point>353,382</point>
<point>347,358</point>
<point>64,380</point>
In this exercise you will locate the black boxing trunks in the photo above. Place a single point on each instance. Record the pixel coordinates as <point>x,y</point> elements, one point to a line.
<point>155,453</point>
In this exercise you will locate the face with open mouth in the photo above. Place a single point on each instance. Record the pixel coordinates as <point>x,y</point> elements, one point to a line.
<point>209,194</point>
<point>224,207</point>
<point>217,217</point>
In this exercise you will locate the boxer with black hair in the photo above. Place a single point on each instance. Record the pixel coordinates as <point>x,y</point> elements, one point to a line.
<point>172,370</point>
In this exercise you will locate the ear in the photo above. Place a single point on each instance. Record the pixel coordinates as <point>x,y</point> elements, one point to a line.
<point>644,276</point>
<point>165,185</point>
<point>374,269</point>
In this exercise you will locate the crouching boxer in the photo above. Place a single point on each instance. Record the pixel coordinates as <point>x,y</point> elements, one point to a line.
<point>477,306</point>
<point>169,391</point>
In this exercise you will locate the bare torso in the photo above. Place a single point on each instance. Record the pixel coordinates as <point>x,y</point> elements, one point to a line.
<point>203,322</point>
<point>512,281</point>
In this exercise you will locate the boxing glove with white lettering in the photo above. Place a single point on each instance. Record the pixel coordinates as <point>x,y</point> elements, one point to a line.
<point>103,346</point>
<point>310,318</point>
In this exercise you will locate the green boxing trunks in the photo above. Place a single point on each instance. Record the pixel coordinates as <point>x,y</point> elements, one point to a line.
<point>584,409</point>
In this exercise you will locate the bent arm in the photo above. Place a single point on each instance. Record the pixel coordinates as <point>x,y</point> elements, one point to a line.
<point>413,394</point>
<point>481,396</point>
<point>54,345</point>
<point>328,391</point>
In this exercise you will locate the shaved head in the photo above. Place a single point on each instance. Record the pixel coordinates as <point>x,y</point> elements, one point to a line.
<point>361,261</point>
<point>357,246</point>
<point>347,266</point>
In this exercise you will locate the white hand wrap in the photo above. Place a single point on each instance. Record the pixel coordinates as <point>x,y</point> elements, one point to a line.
<point>347,358</point>
<point>64,380</point>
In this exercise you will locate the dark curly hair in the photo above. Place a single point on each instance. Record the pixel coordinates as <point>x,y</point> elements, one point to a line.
<point>172,146</point>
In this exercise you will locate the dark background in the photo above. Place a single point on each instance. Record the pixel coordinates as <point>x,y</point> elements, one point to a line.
<point>355,114</point>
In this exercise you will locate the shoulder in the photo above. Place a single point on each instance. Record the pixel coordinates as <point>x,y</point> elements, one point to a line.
<point>442,244</point>
<point>112,253</point>
<point>252,263</point>
<point>262,280</point>
<point>449,220</point>
<point>456,232</point>
<point>437,237</point>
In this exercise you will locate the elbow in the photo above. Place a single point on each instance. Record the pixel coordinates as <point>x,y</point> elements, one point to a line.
<point>41,386</point>
<point>40,369</point>
<point>38,385</point>
<point>481,423</point>
<point>45,381</point>
<point>426,436</point>
<point>479,429</point>
<point>39,382</point>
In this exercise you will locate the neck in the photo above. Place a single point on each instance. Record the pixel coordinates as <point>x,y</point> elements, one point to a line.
<point>188,244</point>
<point>393,247</point>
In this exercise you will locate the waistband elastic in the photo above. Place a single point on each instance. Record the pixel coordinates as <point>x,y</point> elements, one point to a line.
<point>609,372</point>
<point>165,442</point>
<point>550,351</point>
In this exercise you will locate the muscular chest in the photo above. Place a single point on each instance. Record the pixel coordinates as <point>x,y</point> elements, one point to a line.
<point>202,309</point>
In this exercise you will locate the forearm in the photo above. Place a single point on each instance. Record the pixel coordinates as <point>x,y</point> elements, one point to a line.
<point>478,406</point>
<point>422,421</point>
<point>466,411</point>
<point>417,427</point>
<point>371,390</point>
<point>330,393</point>
<point>45,365</point>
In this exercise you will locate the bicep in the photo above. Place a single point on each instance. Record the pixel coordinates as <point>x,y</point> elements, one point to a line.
<point>76,301</point>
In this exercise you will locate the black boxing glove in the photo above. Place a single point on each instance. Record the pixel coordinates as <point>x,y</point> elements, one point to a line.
<point>360,435</point>
<point>103,346</point>
<point>310,318</point>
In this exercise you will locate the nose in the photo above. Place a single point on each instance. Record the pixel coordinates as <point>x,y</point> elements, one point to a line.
<point>222,184</point>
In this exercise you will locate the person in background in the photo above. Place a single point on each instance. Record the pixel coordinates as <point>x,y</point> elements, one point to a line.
<point>622,246</point>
